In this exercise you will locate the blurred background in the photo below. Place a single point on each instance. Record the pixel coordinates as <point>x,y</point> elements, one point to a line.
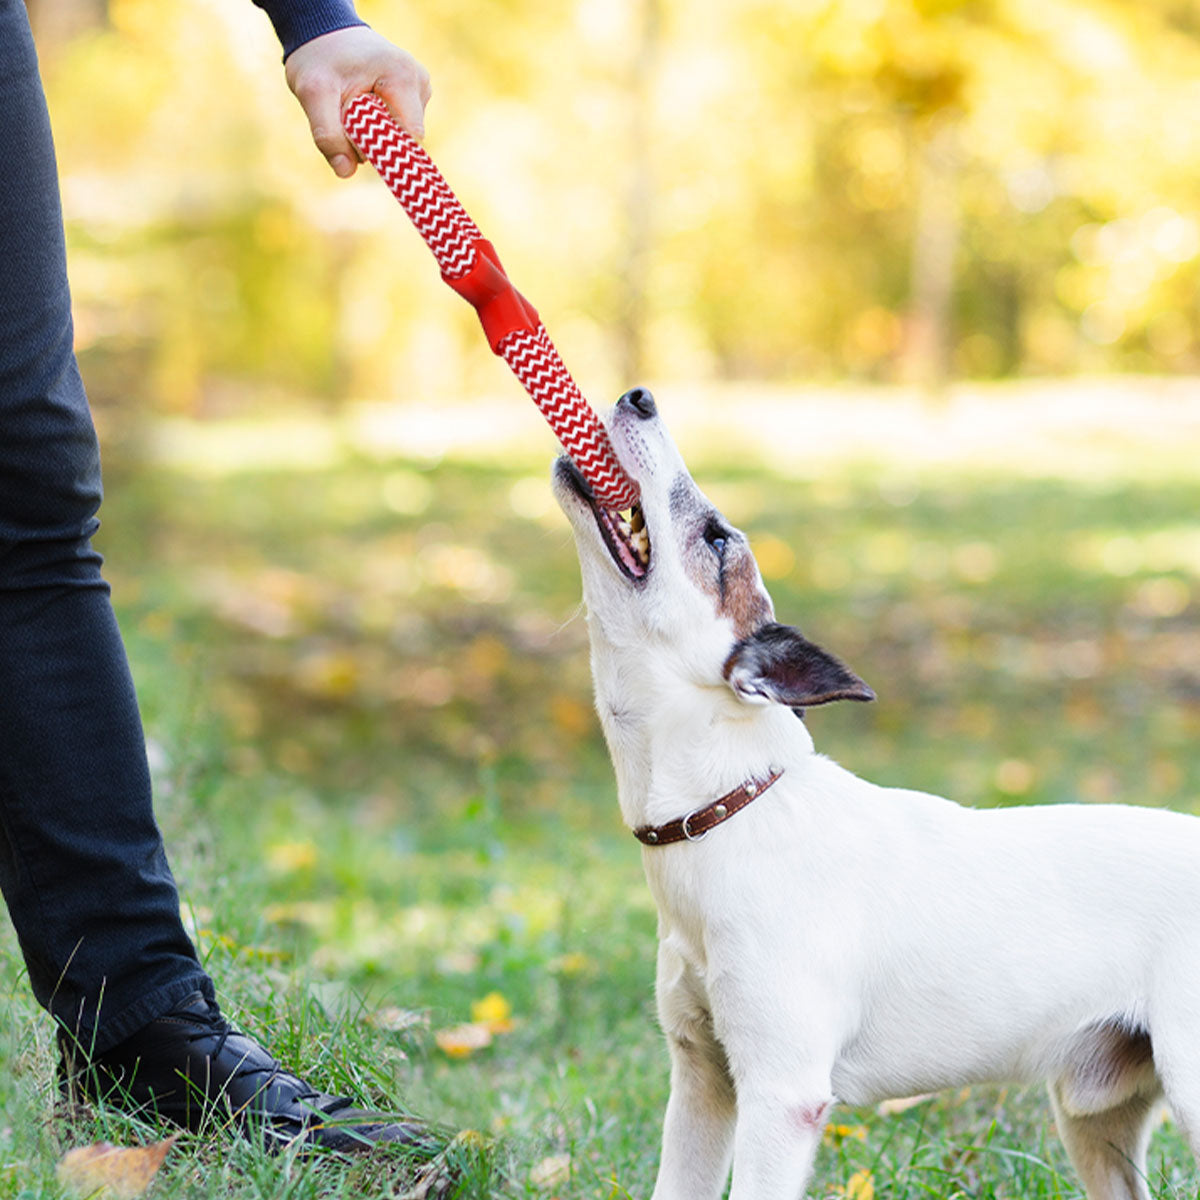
<point>874,190</point>
<point>915,283</point>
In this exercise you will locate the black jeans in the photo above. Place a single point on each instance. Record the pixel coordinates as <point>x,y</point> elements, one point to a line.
<point>82,865</point>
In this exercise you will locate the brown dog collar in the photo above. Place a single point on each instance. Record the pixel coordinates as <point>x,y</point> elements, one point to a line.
<point>700,820</point>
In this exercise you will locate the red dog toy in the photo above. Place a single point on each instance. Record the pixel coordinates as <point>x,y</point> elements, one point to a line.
<point>469,264</point>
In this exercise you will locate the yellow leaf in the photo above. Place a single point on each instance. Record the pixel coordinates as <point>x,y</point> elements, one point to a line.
<point>117,1171</point>
<point>860,1186</point>
<point>460,1041</point>
<point>494,1012</point>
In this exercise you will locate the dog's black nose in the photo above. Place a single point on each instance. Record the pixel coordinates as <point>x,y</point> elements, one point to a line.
<point>641,401</point>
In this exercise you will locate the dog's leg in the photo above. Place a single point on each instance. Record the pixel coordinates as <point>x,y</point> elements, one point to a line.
<point>778,1132</point>
<point>1174,1017</point>
<point>1108,1148</point>
<point>781,1036</point>
<point>698,1129</point>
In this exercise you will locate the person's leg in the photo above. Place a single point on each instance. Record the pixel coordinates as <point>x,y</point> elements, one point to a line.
<point>82,865</point>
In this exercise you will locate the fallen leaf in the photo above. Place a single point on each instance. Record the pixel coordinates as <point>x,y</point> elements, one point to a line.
<point>860,1186</point>
<point>889,1108</point>
<point>120,1171</point>
<point>460,1041</point>
<point>551,1172</point>
<point>493,1011</point>
<point>396,1020</point>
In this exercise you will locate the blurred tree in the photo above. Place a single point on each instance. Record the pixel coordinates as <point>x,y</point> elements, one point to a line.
<point>684,188</point>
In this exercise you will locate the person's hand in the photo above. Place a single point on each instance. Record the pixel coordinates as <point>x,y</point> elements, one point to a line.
<point>331,70</point>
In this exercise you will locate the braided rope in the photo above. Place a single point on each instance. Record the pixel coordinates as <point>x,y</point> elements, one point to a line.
<point>535,362</point>
<point>454,240</point>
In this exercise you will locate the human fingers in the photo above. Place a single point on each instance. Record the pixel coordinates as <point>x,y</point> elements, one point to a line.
<point>405,88</point>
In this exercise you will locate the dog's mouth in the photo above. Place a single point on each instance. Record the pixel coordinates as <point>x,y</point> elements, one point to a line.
<point>624,533</point>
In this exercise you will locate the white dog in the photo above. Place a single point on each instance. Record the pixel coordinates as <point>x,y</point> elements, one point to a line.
<point>822,939</point>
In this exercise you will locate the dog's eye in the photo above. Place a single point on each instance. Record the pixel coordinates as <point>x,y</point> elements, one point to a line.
<point>716,538</point>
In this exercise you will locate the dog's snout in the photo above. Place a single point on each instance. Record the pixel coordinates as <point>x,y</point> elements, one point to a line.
<point>641,401</point>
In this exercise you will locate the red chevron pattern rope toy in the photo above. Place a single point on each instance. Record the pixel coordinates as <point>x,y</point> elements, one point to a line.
<point>470,265</point>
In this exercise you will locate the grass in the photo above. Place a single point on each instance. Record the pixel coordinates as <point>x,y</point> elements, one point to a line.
<point>385,796</point>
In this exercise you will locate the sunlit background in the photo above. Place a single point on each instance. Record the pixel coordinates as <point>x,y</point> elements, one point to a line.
<point>792,190</point>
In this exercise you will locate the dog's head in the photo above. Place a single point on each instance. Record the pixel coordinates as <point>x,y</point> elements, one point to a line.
<point>675,583</point>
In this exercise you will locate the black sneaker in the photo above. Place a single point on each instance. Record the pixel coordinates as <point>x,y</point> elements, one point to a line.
<point>191,1067</point>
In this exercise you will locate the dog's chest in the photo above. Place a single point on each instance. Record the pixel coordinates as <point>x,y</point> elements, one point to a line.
<point>707,910</point>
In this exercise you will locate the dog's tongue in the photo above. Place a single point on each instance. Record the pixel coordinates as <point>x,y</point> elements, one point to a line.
<point>469,264</point>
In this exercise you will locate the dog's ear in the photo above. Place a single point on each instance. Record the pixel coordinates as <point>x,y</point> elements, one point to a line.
<point>775,664</point>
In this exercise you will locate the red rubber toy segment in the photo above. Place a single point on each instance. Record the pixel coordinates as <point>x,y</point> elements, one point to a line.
<point>510,321</point>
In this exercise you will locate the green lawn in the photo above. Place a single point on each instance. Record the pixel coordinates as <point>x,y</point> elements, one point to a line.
<point>386,796</point>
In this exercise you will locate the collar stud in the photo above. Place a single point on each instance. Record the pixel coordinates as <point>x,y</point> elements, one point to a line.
<point>719,810</point>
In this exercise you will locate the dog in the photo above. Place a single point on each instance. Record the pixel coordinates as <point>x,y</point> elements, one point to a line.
<point>825,940</point>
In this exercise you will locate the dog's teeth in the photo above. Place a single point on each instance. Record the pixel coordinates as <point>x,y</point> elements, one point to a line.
<point>636,521</point>
<point>640,541</point>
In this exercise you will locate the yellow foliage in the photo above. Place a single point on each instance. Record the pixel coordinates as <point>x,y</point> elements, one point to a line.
<point>773,229</point>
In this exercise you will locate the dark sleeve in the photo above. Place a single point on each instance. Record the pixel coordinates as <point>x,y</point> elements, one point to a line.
<point>299,21</point>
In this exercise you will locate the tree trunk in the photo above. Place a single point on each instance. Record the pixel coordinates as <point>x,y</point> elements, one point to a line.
<point>639,203</point>
<point>926,359</point>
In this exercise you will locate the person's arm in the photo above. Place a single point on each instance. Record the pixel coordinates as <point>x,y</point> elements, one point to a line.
<point>299,21</point>
<point>331,56</point>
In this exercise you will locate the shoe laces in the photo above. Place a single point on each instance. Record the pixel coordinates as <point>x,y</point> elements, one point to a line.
<point>215,1023</point>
